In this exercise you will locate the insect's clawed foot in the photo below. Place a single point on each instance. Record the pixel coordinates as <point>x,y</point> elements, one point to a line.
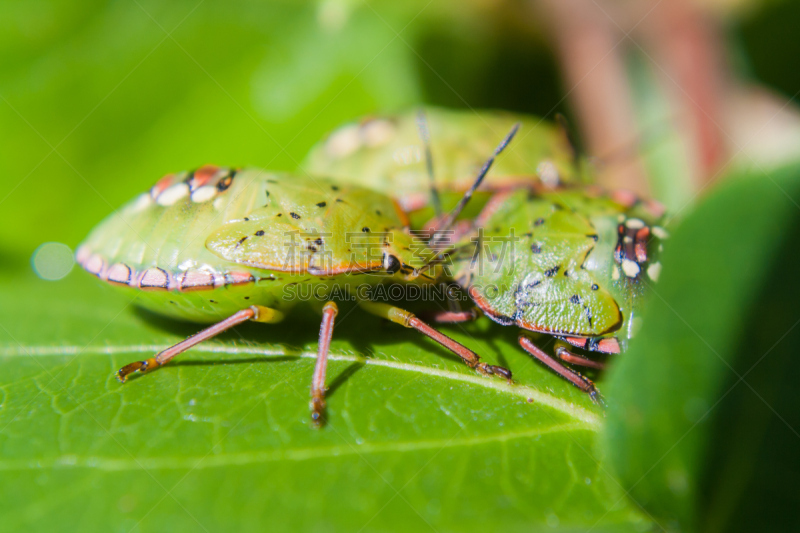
<point>139,366</point>
<point>317,406</point>
<point>596,397</point>
<point>493,370</point>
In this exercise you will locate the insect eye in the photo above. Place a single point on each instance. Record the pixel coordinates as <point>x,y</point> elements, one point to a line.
<point>391,263</point>
<point>225,182</point>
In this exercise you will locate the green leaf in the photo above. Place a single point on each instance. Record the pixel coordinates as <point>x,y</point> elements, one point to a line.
<point>98,102</point>
<point>703,428</point>
<point>221,438</point>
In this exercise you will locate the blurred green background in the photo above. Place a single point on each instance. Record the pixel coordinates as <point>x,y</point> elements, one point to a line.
<point>100,99</point>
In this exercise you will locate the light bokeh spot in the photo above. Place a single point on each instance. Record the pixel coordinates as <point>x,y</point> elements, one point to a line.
<point>52,261</point>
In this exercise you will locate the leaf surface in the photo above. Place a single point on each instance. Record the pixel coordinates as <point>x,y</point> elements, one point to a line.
<point>220,438</point>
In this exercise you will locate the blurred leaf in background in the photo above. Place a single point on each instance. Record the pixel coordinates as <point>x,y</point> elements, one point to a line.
<point>101,99</point>
<point>703,430</point>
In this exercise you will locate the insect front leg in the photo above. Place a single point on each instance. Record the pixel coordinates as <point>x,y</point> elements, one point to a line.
<point>409,320</point>
<point>329,312</point>
<point>256,313</point>
<point>583,383</point>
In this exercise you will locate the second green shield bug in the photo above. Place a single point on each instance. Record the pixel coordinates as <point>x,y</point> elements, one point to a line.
<point>570,263</point>
<point>387,153</point>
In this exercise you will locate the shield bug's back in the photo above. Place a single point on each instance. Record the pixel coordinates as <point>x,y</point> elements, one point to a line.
<point>222,246</point>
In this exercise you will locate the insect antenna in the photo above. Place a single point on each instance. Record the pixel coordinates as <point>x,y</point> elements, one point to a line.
<point>436,237</point>
<point>425,135</point>
<point>448,222</point>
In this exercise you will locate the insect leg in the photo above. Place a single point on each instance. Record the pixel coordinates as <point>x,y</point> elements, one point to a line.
<point>409,320</point>
<point>565,355</point>
<point>425,135</point>
<point>329,312</point>
<point>573,377</point>
<point>607,345</point>
<point>254,312</point>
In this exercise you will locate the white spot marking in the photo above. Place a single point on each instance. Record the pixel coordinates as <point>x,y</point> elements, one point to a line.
<point>172,194</point>
<point>377,132</point>
<point>141,203</point>
<point>95,265</point>
<point>82,254</point>
<point>627,239</point>
<point>186,265</point>
<point>630,268</point>
<point>659,232</point>
<point>620,218</point>
<point>548,173</point>
<point>344,142</point>
<point>119,273</point>
<point>634,223</point>
<point>654,271</point>
<point>614,273</point>
<point>407,155</point>
<point>204,194</point>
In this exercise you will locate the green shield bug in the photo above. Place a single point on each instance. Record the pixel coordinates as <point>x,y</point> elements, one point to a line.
<point>388,153</point>
<point>220,246</point>
<point>568,263</point>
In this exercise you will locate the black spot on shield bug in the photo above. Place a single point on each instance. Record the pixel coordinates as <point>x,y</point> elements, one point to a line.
<point>260,233</point>
<point>536,248</point>
<point>334,187</point>
<point>365,229</point>
<point>295,215</point>
<point>595,286</point>
<point>550,272</point>
<point>538,222</point>
<point>322,204</point>
<point>575,299</point>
